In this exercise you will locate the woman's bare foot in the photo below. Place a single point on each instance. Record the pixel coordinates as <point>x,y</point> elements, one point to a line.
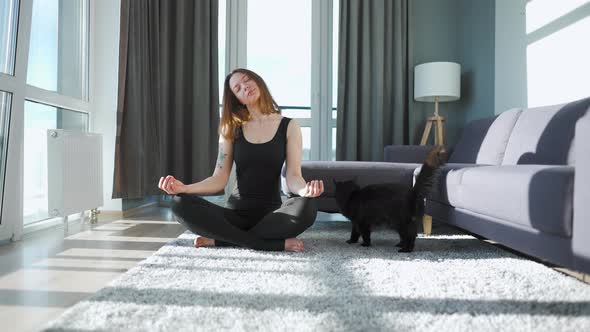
<point>202,241</point>
<point>294,245</point>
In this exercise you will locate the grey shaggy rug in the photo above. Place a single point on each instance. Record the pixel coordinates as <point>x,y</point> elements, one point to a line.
<point>451,282</point>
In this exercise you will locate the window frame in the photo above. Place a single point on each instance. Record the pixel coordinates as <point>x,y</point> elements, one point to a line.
<point>11,226</point>
<point>321,121</point>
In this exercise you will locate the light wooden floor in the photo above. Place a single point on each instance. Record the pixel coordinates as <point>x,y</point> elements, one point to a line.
<point>45,273</point>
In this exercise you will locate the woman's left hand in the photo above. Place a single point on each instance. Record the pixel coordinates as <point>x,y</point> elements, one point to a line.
<point>313,188</point>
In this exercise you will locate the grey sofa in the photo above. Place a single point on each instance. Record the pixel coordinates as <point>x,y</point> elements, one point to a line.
<point>521,178</point>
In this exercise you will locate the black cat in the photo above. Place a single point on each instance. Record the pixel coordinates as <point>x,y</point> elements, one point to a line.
<point>394,205</point>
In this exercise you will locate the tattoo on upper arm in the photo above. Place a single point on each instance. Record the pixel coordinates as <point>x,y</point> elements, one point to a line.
<point>221,158</point>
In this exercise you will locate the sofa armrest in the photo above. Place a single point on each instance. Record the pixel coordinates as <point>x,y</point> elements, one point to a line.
<point>581,221</point>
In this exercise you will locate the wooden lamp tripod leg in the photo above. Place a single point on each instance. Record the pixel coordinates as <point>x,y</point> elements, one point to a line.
<point>439,139</point>
<point>427,224</point>
<point>426,132</point>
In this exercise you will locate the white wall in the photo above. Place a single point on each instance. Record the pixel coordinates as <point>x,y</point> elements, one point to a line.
<point>105,54</point>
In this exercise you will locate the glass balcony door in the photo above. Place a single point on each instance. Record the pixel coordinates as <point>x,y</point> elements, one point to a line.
<point>9,10</point>
<point>289,44</point>
<point>279,37</point>
<point>44,64</point>
<point>5,108</point>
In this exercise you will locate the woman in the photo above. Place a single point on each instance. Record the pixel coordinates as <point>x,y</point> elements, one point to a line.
<point>254,135</point>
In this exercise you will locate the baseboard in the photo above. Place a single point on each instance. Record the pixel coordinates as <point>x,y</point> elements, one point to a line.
<point>578,275</point>
<point>45,224</point>
<point>42,225</point>
<point>127,213</point>
<point>136,210</point>
<point>111,213</point>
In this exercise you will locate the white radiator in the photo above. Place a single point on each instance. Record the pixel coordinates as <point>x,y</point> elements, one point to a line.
<point>74,171</point>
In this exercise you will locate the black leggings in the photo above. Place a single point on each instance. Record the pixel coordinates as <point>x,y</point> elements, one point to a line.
<point>258,229</point>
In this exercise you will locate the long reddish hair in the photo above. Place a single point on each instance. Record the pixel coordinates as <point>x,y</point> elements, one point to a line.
<point>235,113</point>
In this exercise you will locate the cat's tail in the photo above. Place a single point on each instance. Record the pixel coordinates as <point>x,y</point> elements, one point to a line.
<point>425,179</point>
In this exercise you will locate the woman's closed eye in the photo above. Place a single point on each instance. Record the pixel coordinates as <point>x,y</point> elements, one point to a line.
<point>238,87</point>
<point>246,80</point>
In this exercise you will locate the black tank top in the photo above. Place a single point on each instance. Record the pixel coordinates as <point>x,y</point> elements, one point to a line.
<point>258,170</point>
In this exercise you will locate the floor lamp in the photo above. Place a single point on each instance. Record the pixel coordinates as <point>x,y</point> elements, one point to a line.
<point>436,82</point>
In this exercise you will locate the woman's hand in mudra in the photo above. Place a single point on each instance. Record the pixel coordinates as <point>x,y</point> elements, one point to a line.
<point>313,188</point>
<point>171,185</point>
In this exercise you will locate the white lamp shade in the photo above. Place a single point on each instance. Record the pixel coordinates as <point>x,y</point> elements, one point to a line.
<point>437,79</point>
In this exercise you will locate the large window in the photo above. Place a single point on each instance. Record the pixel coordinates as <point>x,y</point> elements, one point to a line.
<point>8,35</point>
<point>557,51</point>
<point>334,113</point>
<point>8,25</point>
<point>39,118</point>
<point>279,50</point>
<point>5,104</point>
<point>44,84</point>
<point>221,49</point>
<point>539,13</point>
<point>58,67</point>
<point>58,51</point>
<point>291,44</point>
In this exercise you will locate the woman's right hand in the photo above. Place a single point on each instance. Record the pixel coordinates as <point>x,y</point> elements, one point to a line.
<point>171,185</point>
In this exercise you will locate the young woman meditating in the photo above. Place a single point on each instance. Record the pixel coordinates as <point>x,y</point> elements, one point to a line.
<point>252,133</point>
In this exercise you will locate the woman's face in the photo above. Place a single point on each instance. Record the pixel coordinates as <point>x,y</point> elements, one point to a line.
<point>244,88</point>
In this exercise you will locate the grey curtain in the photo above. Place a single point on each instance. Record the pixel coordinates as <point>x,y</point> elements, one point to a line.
<point>372,78</point>
<point>168,103</point>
